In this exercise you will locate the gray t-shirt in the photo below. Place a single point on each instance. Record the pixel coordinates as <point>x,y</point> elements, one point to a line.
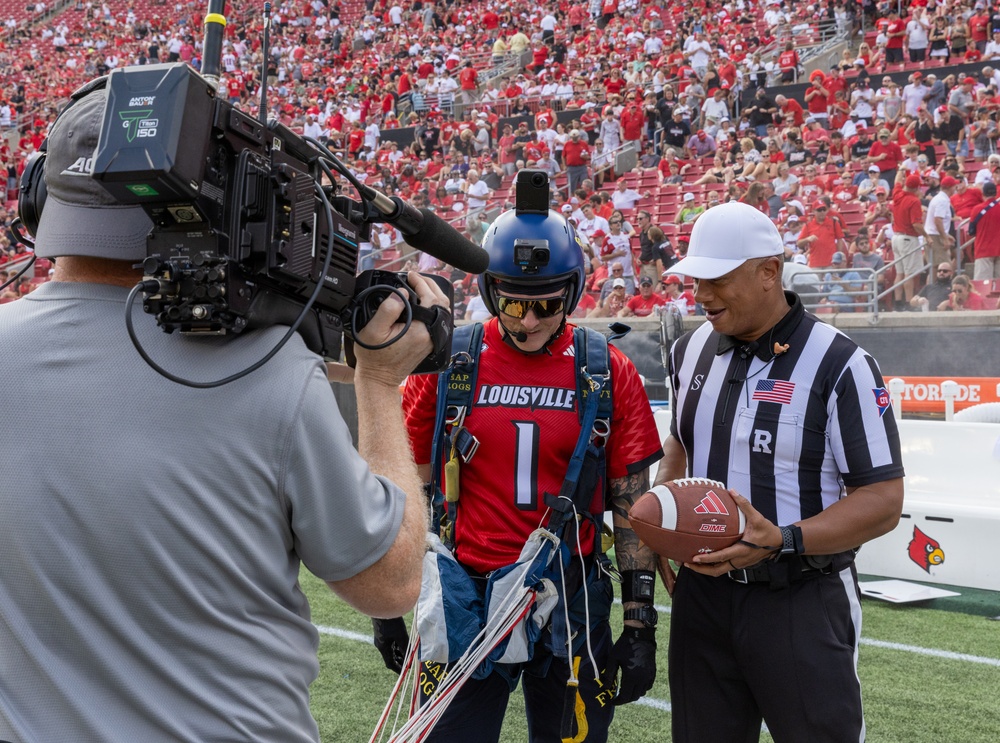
<point>151,534</point>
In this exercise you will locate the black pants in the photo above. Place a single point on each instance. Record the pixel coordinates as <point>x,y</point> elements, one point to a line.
<point>478,710</point>
<point>742,653</point>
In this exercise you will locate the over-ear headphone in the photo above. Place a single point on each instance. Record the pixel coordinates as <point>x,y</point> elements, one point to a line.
<point>32,192</point>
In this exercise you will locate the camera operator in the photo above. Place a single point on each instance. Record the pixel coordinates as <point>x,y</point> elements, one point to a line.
<point>152,533</point>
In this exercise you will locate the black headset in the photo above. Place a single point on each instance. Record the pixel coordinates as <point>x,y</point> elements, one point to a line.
<point>32,193</point>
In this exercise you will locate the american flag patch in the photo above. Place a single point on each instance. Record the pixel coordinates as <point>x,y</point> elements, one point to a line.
<point>774,390</point>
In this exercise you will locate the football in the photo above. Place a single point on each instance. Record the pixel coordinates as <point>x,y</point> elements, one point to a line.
<point>689,517</point>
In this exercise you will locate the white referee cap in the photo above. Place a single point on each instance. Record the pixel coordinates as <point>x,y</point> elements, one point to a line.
<point>727,236</point>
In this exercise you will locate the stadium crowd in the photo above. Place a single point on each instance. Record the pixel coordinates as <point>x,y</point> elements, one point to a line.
<point>442,103</point>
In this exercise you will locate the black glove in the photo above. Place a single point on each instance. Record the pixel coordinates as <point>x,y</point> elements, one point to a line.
<point>635,654</point>
<point>391,640</point>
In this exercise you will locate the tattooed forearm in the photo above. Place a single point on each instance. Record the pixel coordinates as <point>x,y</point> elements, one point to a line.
<point>630,554</point>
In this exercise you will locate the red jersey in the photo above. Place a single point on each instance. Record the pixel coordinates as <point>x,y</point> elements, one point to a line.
<point>468,78</point>
<point>644,307</point>
<point>788,60</point>
<point>527,430</point>
<point>897,26</point>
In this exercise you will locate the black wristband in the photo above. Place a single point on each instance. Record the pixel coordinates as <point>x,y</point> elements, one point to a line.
<point>791,540</point>
<point>647,634</point>
<point>638,586</point>
<point>645,614</point>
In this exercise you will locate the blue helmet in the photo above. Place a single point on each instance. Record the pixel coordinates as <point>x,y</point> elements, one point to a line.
<point>532,254</point>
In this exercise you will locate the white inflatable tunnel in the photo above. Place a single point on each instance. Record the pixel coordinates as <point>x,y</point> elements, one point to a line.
<point>988,412</point>
<point>951,508</point>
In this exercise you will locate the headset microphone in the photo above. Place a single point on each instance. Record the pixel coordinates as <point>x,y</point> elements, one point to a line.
<point>520,337</point>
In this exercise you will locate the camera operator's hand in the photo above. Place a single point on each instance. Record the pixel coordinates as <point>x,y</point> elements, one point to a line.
<point>391,365</point>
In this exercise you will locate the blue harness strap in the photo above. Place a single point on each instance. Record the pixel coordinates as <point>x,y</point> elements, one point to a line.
<point>456,387</point>
<point>593,391</point>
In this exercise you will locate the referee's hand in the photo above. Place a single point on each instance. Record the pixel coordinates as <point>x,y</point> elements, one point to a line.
<point>760,539</point>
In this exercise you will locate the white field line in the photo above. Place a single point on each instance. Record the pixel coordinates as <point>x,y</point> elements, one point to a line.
<point>933,652</point>
<point>664,706</point>
<point>660,704</point>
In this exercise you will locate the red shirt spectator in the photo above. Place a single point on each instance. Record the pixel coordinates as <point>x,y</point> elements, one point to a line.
<point>788,60</point>
<point>589,120</point>
<point>641,306</point>
<point>886,154</point>
<point>614,84</point>
<point>727,73</point>
<point>906,211</point>
<point>467,78</point>
<point>979,27</point>
<point>896,31</point>
<point>632,120</point>
<point>425,69</point>
<point>576,152</point>
<point>790,106</point>
<point>967,201</point>
<point>547,115</point>
<point>821,236</point>
<point>834,81</point>
<point>538,58</point>
<point>577,15</point>
<point>817,96</point>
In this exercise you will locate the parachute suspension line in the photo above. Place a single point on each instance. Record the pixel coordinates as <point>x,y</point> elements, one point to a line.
<point>586,603</point>
<point>400,691</point>
<point>512,609</point>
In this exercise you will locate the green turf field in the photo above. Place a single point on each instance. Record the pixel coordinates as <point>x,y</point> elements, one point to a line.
<point>930,674</point>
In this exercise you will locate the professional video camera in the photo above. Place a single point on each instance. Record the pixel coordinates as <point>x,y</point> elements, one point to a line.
<point>250,227</point>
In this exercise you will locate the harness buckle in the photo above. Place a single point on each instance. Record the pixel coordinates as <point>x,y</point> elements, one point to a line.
<point>601,429</point>
<point>465,444</point>
<point>454,415</point>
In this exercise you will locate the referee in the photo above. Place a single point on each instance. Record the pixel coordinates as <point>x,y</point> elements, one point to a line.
<point>793,415</point>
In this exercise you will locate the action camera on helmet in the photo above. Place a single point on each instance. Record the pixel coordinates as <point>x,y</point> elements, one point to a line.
<point>532,250</point>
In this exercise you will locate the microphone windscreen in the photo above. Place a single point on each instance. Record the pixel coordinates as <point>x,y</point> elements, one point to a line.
<point>443,241</point>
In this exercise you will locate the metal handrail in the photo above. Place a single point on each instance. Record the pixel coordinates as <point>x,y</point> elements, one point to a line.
<point>865,299</point>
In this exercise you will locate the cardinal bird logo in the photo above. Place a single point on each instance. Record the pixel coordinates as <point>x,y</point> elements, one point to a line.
<point>924,550</point>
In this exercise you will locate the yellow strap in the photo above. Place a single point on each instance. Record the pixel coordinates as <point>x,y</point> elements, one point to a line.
<point>451,477</point>
<point>607,537</point>
<point>215,18</point>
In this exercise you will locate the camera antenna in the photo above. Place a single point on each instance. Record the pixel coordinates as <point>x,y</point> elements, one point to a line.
<point>266,50</point>
<point>211,58</point>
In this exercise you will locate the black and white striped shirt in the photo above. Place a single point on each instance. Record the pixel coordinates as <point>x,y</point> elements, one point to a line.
<point>787,431</point>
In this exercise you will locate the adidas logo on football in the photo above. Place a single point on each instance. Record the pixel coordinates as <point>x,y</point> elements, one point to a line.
<point>712,503</point>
